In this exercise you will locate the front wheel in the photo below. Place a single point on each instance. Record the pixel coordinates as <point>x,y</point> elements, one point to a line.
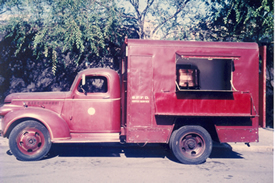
<point>191,144</point>
<point>29,141</point>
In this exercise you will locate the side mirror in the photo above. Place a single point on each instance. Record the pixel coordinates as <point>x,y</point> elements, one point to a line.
<point>83,79</point>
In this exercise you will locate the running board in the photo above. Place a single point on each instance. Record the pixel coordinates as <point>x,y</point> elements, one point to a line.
<point>90,138</point>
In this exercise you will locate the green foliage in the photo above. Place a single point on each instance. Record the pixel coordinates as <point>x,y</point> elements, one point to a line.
<point>7,5</point>
<point>153,18</point>
<point>77,27</point>
<point>82,29</point>
<point>47,42</point>
<point>241,20</point>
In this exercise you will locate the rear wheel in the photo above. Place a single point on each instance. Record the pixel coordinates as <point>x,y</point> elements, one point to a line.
<point>191,144</point>
<point>29,141</point>
<point>172,139</point>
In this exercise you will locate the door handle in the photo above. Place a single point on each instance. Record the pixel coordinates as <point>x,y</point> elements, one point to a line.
<point>106,97</point>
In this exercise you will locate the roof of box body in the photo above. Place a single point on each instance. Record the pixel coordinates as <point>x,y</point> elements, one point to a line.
<point>161,43</point>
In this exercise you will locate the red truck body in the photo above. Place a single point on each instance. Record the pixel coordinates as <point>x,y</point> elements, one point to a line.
<point>162,88</point>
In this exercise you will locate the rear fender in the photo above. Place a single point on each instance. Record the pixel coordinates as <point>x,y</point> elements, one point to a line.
<point>56,126</point>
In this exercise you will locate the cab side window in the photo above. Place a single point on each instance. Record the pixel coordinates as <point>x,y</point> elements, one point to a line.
<point>94,84</point>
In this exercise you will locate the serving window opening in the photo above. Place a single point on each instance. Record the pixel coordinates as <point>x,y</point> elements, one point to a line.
<point>198,73</point>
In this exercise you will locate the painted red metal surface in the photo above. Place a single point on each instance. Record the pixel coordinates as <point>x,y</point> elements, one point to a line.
<point>237,134</point>
<point>94,112</point>
<point>262,88</point>
<point>90,138</point>
<point>150,72</point>
<point>204,104</point>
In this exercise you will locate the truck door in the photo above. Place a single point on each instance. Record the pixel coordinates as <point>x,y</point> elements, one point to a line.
<point>92,107</point>
<point>140,91</point>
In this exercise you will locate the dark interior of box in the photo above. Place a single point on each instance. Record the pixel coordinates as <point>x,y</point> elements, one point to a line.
<point>214,74</point>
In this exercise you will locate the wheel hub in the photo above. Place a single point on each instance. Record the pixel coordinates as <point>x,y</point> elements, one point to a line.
<point>30,141</point>
<point>192,145</point>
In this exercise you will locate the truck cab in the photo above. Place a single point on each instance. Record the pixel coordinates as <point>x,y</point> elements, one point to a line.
<point>93,105</point>
<point>89,112</point>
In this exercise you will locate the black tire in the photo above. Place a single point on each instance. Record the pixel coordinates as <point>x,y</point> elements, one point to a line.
<point>191,144</point>
<point>29,141</point>
<point>172,139</point>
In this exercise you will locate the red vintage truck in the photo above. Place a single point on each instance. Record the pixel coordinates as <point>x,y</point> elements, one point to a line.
<point>185,94</point>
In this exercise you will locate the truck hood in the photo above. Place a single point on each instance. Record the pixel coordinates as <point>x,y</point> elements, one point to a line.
<point>38,95</point>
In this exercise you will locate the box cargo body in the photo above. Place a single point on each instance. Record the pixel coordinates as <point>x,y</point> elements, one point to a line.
<point>226,102</point>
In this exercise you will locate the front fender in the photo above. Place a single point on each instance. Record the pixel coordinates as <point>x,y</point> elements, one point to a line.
<point>57,127</point>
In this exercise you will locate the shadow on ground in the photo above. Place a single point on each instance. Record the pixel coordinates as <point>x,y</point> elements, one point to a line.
<point>129,150</point>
